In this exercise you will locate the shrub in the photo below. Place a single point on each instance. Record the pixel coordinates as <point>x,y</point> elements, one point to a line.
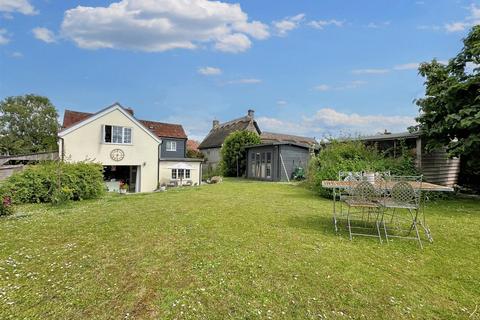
<point>354,156</point>
<point>5,205</point>
<point>234,155</point>
<point>56,182</point>
<point>212,172</point>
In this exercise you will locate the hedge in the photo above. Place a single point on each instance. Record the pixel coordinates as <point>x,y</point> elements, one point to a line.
<point>55,182</point>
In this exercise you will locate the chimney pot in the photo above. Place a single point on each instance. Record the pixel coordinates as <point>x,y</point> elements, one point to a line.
<point>130,110</point>
<point>251,113</point>
<point>215,124</point>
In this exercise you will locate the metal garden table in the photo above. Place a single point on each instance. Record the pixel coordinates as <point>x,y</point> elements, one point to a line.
<point>423,186</point>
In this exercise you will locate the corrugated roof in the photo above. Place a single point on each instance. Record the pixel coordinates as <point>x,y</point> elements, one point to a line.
<point>300,145</point>
<point>389,136</point>
<point>217,135</point>
<point>280,137</point>
<point>160,129</point>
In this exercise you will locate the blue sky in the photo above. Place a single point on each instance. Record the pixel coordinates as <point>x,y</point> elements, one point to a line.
<point>311,68</point>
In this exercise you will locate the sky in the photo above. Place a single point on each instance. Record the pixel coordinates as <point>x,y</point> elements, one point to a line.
<point>307,67</point>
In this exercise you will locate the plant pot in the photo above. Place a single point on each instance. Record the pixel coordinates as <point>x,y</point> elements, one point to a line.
<point>123,191</point>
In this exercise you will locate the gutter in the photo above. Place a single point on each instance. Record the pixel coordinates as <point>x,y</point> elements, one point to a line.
<point>62,155</point>
<point>158,161</point>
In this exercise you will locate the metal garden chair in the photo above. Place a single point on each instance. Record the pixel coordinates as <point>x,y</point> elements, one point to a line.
<point>364,197</point>
<point>405,193</point>
<point>344,194</point>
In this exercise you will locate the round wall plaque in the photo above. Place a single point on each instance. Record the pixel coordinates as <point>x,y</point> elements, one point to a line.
<point>117,154</point>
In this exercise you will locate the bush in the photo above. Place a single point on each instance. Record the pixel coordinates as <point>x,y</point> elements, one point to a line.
<point>5,205</point>
<point>212,172</point>
<point>55,182</point>
<point>234,155</point>
<point>354,156</point>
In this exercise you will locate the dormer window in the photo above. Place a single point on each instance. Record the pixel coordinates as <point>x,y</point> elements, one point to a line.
<point>117,134</point>
<point>171,146</point>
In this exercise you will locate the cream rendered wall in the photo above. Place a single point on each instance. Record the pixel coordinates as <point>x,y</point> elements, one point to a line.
<point>85,143</point>
<point>166,171</point>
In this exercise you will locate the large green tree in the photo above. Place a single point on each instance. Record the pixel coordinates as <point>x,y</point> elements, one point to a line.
<point>234,155</point>
<point>450,110</point>
<point>27,124</point>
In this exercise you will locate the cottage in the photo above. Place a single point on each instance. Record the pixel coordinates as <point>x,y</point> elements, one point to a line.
<point>144,154</point>
<point>276,161</point>
<point>212,144</point>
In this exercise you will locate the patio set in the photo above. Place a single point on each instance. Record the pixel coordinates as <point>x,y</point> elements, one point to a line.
<point>372,203</point>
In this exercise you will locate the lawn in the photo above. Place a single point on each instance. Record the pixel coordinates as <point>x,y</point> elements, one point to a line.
<point>235,250</point>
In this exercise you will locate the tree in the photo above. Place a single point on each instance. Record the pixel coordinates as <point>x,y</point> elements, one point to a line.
<point>450,110</point>
<point>195,154</point>
<point>234,155</point>
<point>27,124</point>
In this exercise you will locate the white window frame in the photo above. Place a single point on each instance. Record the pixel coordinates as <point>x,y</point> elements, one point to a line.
<point>122,136</point>
<point>171,145</point>
<point>174,173</point>
<point>187,174</point>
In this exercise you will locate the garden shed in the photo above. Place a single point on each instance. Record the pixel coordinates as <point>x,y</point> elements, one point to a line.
<point>276,161</point>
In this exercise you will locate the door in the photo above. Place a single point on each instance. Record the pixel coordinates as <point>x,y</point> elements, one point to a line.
<point>132,187</point>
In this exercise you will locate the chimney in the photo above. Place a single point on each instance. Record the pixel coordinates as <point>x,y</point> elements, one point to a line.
<point>215,124</point>
<point>129,110</point>
<point>251,113</point>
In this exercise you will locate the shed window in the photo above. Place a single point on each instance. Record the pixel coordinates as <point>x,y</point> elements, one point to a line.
<point>268,171</point>
<point>174,173</point>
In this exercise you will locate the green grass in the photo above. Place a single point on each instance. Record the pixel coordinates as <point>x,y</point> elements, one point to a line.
<point>234,250</point>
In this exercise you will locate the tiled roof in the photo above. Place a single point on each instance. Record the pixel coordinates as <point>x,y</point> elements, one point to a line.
<point>165,129</point>
<point>160,129</point>
<point>217,135</point>
<point>270,137</point>
<point>71,117</point>
<point>192,145</point>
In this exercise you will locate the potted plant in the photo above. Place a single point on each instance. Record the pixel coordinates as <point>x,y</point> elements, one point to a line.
<point>123,187</point>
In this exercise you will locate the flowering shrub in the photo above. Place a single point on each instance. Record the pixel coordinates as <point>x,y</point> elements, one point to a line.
<point>6,206</point>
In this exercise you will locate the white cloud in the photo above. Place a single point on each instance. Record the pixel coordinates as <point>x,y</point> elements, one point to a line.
<point>328,120</point>
<point>17,55</point>
<point>209,71</point>
<point>44,35</point>
<point>456,26</point>
<point>284,126</point>
<point>322,87</point>
<point>398,67</point>
<point>282,103</point>
<point>288,24</point>
<point>407,66</point>
<point>155,26</point>
<point>245,81</point>
<point>353,84</point>
<point>321,24</point>
<point>429,27</point>
<point>370,71</point>
<point>22,6</point>
<point>331,118</point>
<point>237,42</point>
<point>4,39</point>
<point>377,25</point>
<point>349,85</point>
<point>472,20</point>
